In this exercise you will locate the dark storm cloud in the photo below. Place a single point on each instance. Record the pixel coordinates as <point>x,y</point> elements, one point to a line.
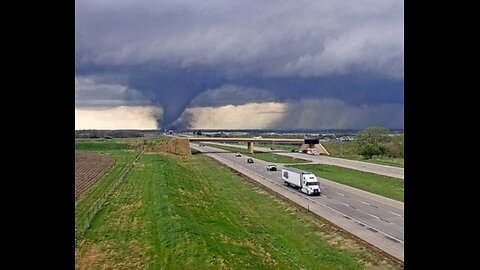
<point>276,38</point>
<point>91,93</point>
<point>334,113</point>
<point>231,94</point>
<point>172,51</point>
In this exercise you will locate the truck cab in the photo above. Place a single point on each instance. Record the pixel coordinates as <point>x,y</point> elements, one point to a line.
<point>310,184</point>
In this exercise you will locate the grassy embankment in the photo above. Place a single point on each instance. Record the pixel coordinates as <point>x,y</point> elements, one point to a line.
<point>174,212</point>
<point>382,185</point>
<point>260,155</point>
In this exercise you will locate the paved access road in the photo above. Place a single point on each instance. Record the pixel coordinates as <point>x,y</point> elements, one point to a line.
<point>376,219</point>
<point>346,163</point>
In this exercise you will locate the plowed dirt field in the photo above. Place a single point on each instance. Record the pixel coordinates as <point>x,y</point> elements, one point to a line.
<point>89,167</point>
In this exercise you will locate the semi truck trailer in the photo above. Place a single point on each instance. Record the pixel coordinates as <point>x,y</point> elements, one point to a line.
<point>304,181</point>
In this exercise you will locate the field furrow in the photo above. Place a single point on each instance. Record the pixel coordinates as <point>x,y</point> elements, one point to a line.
<point>89,167</point>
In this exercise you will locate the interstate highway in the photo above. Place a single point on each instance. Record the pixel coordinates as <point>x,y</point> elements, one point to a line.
<point>375,219</point>
<point>391,171</point>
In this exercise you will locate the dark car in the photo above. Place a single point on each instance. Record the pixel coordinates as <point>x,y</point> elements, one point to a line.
<point>271,167</point>
<point>250,160</point>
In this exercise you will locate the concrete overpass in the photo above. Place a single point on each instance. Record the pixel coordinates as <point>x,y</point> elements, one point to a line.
<point>306,143</point>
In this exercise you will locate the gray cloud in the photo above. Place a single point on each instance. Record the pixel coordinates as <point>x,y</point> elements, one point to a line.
<point>271,38</point>
<point>231,94</point>
<point>357,49</point>
<point>90,93</point>
<point>180,55</point>
<point>336,114</point>
<point>302,114</point>
<point>121,117</point>
<point>100,104</point>
<point>246,116</point>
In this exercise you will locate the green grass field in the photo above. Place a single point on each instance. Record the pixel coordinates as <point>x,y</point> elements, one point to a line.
<point>349,150</point>
<point>396,162</point>
<point>173,212</point>
<point>378,184</point>
<point>120,151</point>
<point>261,155</point>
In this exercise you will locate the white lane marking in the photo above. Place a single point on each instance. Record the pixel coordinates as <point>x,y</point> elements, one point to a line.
<point>345,204</point>
<point>385,220</point>
<point>369,204</point>
<point>374,216</point>
<point>317,202</point>
<point>344,195</point>
<point>396,214</point>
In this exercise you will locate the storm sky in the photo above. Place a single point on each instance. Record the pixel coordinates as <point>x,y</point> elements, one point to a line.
<point>239,64</point>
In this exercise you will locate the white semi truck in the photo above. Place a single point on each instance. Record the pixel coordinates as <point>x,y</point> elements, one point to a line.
<point>304,181</point>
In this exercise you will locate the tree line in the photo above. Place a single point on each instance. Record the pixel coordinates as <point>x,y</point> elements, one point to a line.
<point>377,141</point>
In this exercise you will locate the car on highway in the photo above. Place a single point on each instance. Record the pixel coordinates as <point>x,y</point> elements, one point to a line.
<point>249,160</point>
<point>271,167</point>
<point>238,155</point>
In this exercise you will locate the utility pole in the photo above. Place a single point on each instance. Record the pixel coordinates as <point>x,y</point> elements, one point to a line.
<point>273,157</point>
<point>341,148</point>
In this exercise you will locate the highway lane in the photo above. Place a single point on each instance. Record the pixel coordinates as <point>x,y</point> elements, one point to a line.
<point>391,171</point>
<point>377,216</point>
